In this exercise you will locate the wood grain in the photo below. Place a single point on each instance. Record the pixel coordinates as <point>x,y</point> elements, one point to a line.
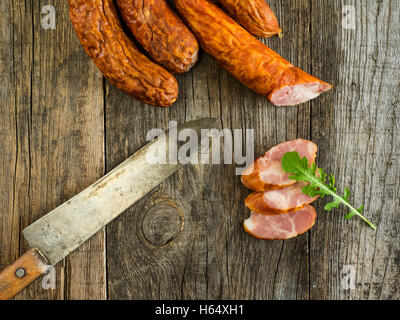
<point>359,140</point>
<point>53,139</point>
<point>62,126</point>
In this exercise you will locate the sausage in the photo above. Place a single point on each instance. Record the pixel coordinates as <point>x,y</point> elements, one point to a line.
<point>161,33</point>
<point>305,148</point>
<point>101,35</point>
<point>286,200</point>
<point>281,227</point>
<point>254,15</point>
<point>246,58</point>
<point>266,173</point>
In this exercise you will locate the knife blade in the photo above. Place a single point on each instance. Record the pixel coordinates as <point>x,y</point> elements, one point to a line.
<point>61,231</point>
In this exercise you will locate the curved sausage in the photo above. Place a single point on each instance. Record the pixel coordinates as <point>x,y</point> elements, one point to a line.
<point>100,33</point>
<point>282,227</point>
<point>286,200</point>
<point>254,15</point>
<point>266,173</point>
<point>246,58</point>
<point>161,33</point>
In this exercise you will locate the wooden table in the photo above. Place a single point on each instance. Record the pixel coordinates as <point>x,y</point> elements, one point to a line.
<point>62,126</point>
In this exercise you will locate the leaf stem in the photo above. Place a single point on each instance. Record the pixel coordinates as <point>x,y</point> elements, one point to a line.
<point>354,210</point>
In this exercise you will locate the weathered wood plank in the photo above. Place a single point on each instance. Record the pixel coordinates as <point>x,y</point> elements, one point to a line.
<point>9,219</point>
<point>359,141</point>
<point>54,140</point>
<point>212,257</point>
<point>290,270</point>
<point>134,263</point>
<point>185,240</point>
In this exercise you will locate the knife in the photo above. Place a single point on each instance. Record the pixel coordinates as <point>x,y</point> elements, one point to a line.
<point>57,234</point>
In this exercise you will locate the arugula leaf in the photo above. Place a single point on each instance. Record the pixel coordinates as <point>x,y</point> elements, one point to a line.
<point>318,184</point>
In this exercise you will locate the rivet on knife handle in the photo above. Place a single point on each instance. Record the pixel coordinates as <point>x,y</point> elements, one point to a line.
<point>21,273</point>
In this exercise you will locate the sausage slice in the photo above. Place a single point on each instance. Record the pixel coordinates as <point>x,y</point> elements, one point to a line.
<point>246,58</point>
<point>254,15</point>
<point>305,148</point>
<point>99,30</point>
<point>286,200</point>
<point>266,173</point>
<point>161,33</point>
<point>280,227</point>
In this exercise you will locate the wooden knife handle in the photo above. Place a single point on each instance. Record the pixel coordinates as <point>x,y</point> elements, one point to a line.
<point>21,273</point>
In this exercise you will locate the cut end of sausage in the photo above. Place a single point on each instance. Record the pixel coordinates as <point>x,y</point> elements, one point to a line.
<point>280,227</point>
<point>292,95</point>
<point>275,202</point>
<point>297,87</point>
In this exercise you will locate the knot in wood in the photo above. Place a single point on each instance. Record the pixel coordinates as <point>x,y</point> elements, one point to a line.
<point>162,223</point>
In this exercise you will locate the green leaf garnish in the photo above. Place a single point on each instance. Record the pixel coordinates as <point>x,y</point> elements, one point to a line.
<point>320,184</point>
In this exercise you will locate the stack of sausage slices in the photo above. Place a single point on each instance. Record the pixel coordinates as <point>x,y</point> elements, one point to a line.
<point>279,208</point>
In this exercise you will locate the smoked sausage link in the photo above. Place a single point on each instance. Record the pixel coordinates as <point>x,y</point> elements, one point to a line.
<point>161,33</point>
<point>246,58</point>
<point>254,15</point>
<point>99,30</point>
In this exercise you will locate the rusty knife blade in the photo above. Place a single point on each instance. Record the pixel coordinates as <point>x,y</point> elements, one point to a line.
<point>65,228</point>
